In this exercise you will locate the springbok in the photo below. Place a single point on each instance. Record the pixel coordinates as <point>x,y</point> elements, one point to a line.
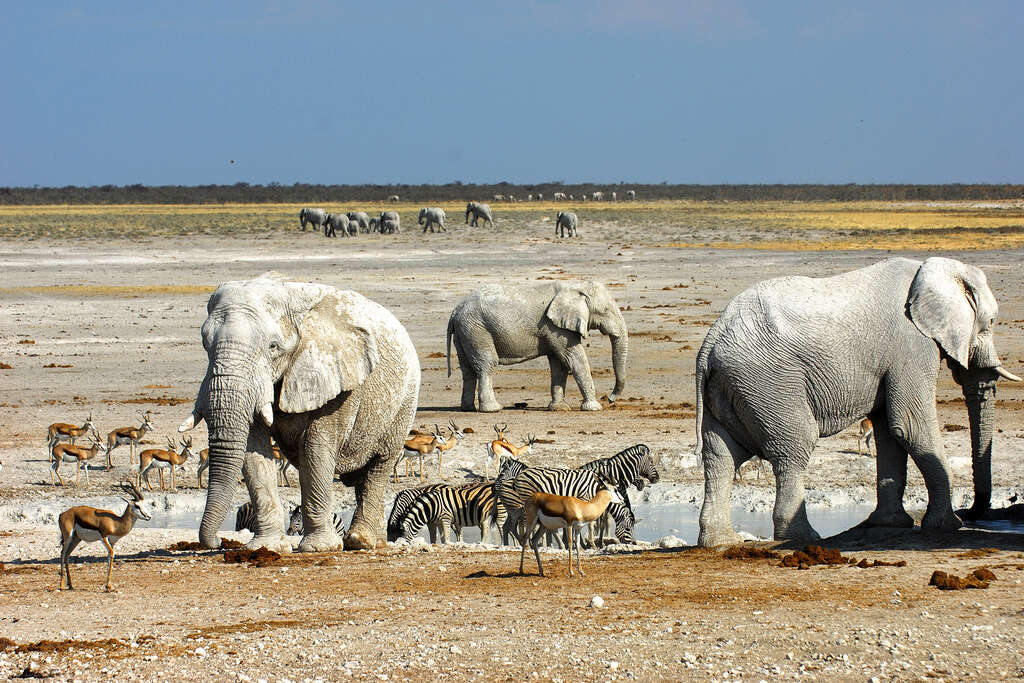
<point>204,464</point>
<point>546,511</point>
<point>79,455</point>
<point>62,431</point>
<point>128,435</point>
<point>163,459</point>
<point>867,433</point>
<point>420,445</point>
<point>89,524</point>
<point>502,448</point>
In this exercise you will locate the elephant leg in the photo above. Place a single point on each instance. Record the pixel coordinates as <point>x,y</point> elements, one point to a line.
<point>720,454</point>
<point>559,375</point>
<point>316,474</point>
<point>259,471</point>
<point>789,517</point>
<point>915,426</point>
<point>890,480</point>
<point>579,365</point>
<point>485,392</point>
<point>371,494</point>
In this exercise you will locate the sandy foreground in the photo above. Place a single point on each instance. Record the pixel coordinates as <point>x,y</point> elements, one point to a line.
<point>112,328</point>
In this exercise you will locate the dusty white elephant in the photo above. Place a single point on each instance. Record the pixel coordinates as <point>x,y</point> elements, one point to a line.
<point>502,325</point>
<point>331,376</point>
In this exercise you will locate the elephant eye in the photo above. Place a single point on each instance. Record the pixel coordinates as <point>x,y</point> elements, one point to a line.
<point>274,347</point>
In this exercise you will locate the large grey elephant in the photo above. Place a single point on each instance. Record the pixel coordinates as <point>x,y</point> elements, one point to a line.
<point>566,221</point>
<point>502,325</point>
<point>336,221</point>
<point>315,217</point>
<point>361,219</point>
<point>390,222</point>
<point>478,211</point>
<point>431,216</point>
<point>795,359</point>
<point>331,376</point>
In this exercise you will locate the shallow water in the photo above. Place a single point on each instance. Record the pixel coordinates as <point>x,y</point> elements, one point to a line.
<point>655,521</point>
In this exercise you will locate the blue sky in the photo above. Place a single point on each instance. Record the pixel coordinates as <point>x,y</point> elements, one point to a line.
<point>684,91</point>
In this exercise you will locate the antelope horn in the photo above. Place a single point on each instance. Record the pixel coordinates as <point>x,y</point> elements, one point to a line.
<point>129,487</point>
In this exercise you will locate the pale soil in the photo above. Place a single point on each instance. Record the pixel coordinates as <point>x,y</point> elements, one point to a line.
<point>126,315</point>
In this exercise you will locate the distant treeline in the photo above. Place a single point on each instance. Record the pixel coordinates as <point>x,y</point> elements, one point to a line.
<point>299,193</point>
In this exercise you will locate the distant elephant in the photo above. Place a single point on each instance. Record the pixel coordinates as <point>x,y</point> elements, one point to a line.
<point>332,376</point>
<point>361,219</point>
<point>374,224</point>
<point>559,196</point>
<point>393,198</point>
<point>630,195</point>
<point>390,222</point>
<point>502,325</point>
<point>478,211</point>
<point>429,217</point>
<point>795,359</point>
<point>315,217</point>
<point>565,221</point>
<point>335,221</point>
<point>597,196</point>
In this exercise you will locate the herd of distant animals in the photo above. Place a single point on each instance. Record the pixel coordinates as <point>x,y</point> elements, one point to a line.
<point>352,223</point>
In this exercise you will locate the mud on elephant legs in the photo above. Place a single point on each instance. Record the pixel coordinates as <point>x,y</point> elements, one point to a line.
<point>485,393</point>
<point>720,453</point>
<point>579,366</point>
<point>316,475</point>
<point>370,511</point>
<point>559,375</point>
<point>259,472</point>
<point>891,479</point>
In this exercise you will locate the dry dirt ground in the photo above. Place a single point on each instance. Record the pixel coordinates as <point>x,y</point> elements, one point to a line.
<point>110,326</point>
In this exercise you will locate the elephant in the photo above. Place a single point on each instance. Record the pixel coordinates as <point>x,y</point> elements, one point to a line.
<point>333,222</point>
<point>566,221</point>
<point>560,196</point>
<point>478,211</point>
<point>597,196</point>
<point>431,216</point>
<point>390,222</point>
<point>630,195</point>
<point>332,376</point>
<point>502,325</point>
<point>795,359</point>
<point>361,219</point>
<point>393,198</point>
<point>374,224</point>
<point>316,218</point>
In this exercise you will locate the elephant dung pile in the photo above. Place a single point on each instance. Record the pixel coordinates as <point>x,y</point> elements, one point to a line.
<point>195,546</point>
<point>979,578</point>
<point>261,557</point>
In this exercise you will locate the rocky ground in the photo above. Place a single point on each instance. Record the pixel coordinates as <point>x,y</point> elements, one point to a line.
<point>112,329</point>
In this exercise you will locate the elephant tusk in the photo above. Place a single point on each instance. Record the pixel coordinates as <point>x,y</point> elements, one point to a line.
<point>190,422</point>
<point>1006,374</point>
<point>267,413</point>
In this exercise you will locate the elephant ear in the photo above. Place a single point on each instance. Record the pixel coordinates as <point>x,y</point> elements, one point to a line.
<point>570,310</point>
<point>943,304</point>
<point>336,352</point>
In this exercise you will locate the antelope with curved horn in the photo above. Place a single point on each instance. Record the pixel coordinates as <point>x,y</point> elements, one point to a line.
<point>163,459</point>
<point>79,455</point>
<point>128,435</point>
<point>502,448</point>
<point>546,511</point>
<point>62,431</point>
<point>89,524</point>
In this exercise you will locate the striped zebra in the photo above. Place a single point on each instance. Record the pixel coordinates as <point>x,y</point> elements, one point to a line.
<point>403,501</point>
<point>295,523</point>
<point>245,520</point>
<point>513,494</point>
<point>456,507</point>
<point>626,468</point>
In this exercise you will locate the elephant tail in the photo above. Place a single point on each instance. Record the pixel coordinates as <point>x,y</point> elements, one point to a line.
<point>703,357</point>
<point>448,343</point>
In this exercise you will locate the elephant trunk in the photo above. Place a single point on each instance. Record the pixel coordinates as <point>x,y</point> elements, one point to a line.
<point>981,411</point>
<point>230,406</point>
<point>620,348</point>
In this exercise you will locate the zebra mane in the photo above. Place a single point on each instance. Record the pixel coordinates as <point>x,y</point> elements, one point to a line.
<point>639,449</point>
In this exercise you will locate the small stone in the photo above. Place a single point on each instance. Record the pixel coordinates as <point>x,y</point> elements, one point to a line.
<point>597,601</point>
<point>613,665</point>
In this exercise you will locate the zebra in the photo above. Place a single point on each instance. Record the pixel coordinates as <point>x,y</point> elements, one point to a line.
<point>455,506</point>
<point>403,500</point>
<point>626,468</point>
<point>513,494</point>
<point>245,520</point>
<point>295,522</point>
